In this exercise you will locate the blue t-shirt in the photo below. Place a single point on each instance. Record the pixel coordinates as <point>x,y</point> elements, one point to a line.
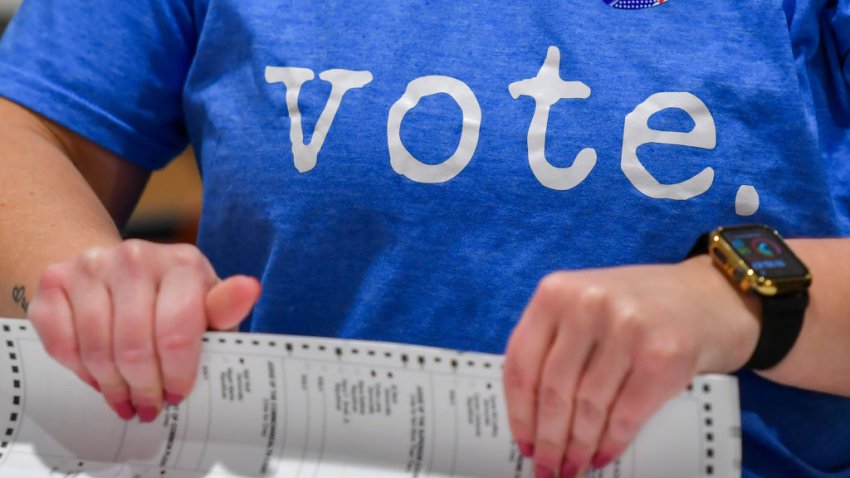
<point>408,171</point>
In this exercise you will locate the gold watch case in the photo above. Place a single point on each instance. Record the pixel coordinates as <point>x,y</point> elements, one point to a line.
<point>745,277</point>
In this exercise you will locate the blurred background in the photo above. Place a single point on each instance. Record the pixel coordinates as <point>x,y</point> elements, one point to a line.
<point>170,207</point>
<point>7,8</point>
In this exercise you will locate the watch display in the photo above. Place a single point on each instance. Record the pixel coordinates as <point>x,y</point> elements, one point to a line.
<point>764,252</point>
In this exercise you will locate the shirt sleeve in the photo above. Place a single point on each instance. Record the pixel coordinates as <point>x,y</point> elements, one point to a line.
<point>111,71</point>
<point>840,22</point>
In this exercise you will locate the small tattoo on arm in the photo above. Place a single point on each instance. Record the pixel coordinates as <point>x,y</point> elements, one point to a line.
<point>19,295</point>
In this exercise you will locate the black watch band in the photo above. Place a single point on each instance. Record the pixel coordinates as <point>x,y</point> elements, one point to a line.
<point>700,247</point>
<point>781,321</point>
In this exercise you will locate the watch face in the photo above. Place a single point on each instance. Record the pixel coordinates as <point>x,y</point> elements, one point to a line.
<point>764,252</point>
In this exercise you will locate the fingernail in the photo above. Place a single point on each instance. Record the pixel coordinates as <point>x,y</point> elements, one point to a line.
<point>526,449</point>
<point>569,470</point>
<point>541,471</point>
<point>147,414</point>
<point>173,398</point>
<point>125,410</point>
<point>600,460</point>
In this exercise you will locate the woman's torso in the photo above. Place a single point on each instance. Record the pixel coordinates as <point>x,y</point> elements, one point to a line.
<point>382,236</point>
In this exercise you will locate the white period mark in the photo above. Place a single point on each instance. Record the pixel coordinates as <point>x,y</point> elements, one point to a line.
<point>746,201</point>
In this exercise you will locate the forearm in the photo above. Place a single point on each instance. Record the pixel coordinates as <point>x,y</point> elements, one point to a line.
<point>820,359</point>
<point>48,211</point>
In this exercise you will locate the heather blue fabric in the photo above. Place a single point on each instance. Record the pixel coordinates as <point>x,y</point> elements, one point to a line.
<point>352,248</point>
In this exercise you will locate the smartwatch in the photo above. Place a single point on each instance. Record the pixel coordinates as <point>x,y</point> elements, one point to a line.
<point>757,260</point>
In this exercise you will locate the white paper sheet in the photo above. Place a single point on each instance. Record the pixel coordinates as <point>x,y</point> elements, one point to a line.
<point>295,407</point>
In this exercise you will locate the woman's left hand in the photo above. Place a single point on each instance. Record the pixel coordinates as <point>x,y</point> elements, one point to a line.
<point>598,352</point>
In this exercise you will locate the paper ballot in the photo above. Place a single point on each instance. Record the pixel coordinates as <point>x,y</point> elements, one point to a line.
<point>296,407</point>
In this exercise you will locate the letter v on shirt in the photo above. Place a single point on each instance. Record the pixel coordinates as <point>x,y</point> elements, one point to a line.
<point>306,155</point>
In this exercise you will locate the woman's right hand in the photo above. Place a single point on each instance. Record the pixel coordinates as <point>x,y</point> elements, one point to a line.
<point>129,319</point>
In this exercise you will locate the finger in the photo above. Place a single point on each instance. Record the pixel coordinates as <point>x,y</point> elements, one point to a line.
<point>230,301</point>
<point>92,315</point>
<point>134,294</point>
<point>524,358</point>
<point>556,400</point>
<point>595,394</point>
<point>50,314</point>
<point>180,324</point>
<point>656,377</point>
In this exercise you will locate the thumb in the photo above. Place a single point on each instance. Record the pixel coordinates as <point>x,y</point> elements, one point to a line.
<point>229,302</point>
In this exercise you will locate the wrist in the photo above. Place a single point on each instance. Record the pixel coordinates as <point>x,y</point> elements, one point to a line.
<point>730,319</point>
